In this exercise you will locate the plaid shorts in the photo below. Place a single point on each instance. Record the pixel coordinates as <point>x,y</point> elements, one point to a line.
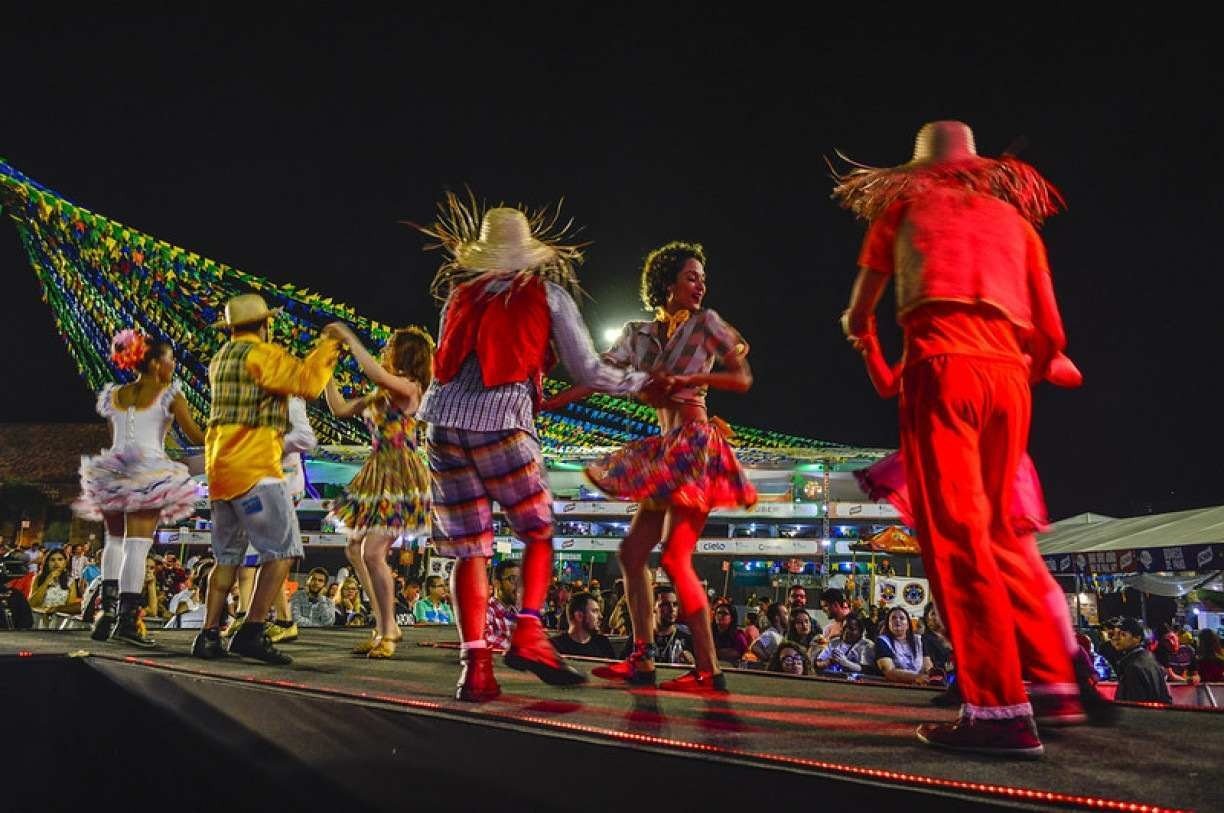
<point>472,469</point>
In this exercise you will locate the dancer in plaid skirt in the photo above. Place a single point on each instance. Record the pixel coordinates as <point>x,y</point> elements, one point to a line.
<point>684,472</point>
<point>509,290</point>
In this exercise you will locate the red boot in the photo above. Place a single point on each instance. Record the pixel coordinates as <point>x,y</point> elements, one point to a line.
<point>1050,710</point>
<point>476,681</point>
<point>696,681</point>
<point>1014,737</point>
<point>531,651</point>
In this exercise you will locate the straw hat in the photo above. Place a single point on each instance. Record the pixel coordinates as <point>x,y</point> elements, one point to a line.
<point>505,244</point>
<point>246,309</point>
<point>944,141</point>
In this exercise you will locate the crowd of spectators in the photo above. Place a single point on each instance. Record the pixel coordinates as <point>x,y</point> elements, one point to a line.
<point>41,586</point>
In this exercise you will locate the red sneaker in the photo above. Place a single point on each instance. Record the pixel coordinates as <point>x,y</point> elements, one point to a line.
<point>476,681</point>
<point>1014,737</point>
<point>531,651</point>
<point>697,682</point>
<point>1051,710</point>
<point>627,670</point>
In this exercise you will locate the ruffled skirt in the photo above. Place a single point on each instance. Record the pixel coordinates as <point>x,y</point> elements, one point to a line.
<point>390,493</point>
<point>127,480</point>
<point>691,466</point>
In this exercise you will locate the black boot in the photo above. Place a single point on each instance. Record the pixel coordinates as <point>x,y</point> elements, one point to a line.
<point>104,621</point>
<point>251,641</point>
<point>128,627</point>
<point>207,645</point>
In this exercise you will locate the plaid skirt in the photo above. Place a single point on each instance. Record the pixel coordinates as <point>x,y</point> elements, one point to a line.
<point>691,466</point>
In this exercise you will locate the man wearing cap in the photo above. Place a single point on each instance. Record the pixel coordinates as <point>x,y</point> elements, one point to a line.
<point>976,304</point>
<point>509,299</point>
<point>1140,678</point>
<point>251,381</point>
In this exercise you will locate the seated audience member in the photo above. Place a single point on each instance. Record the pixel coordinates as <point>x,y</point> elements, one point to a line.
<point>618,619</point>
<point>791,659</point>
<point>1176,658</point>
<point>405,602</point>
<point>801,630</point>
<point>1140,677</point>
<point>15,613</point>
<point>503,604</point>
<point>778,618</point>
<point>310,607</point>
<point>433,607</point>
<point>752,626</point>
<point>673,640</point>
<point>730,642</point>
<point>1088,663</point>
<point>898,650</point>
<point>554,617</point>
<point>1209,665</point>
<point>583,636</point>
<point>187,608</point>
<point>796,598</point>
<point>852,652</point>
<point>53,590</point>
<point>935,641</point>
<point>837,607</point>
<point>350,610</point>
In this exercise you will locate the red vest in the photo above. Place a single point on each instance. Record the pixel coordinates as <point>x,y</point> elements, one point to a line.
<point>958,246</point>
<point>508,331</point>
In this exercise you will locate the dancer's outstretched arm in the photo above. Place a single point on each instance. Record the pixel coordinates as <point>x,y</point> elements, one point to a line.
<point>341,407</point>
<point>406,392</point>
<point>566,396</point>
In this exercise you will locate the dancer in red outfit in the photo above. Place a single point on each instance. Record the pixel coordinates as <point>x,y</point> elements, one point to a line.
<point>509,292</point>
<point>1040,662</point>
<point>976,302</point>
<point>688,469</point>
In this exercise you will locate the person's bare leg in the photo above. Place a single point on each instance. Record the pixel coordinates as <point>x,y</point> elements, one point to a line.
<point>381,584</point>
<point>684,528</point>
<point>644,533</point>
<point>220,582</point>
<point>269,579</point>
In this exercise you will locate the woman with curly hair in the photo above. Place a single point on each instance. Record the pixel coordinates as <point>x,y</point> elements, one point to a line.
<point>134,485</point>
<point>684,472</point>
<point>390,495</point>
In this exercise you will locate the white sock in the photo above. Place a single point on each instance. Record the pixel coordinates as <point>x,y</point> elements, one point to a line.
<point>132,576</point>
<point>112,558</point>
<point>466,645</point>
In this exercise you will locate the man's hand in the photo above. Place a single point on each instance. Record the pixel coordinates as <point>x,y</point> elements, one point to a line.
<point>657,390</point>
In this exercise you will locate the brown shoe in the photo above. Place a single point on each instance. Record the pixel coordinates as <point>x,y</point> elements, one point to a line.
<point>1015,737</point>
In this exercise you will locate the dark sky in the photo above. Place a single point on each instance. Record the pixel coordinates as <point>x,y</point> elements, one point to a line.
<point>289,145</point>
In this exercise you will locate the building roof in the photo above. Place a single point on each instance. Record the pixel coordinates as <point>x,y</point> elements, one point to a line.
<point>48,453</point>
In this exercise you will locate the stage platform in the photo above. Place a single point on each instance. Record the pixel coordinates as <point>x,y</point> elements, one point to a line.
<point>374,735</point>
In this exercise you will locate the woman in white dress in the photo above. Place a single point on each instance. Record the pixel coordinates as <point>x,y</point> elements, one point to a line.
<point>133,485</point>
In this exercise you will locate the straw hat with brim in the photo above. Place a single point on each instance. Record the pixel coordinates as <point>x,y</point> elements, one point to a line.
<point>244,310</point>
<point>505,244</point>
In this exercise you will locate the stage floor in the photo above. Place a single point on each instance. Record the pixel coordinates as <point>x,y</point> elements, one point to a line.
<point>861,732</point>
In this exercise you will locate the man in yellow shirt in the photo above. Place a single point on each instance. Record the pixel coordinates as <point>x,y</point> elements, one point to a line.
<point>251,381</point>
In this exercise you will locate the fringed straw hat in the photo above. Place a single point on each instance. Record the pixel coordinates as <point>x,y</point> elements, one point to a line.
<point>505,244</point>
<point>945,154</point>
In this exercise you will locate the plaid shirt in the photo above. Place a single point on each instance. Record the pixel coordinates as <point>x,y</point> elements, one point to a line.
<point>465,402</point>
<point>237,397</point>
<point>500,618</point>
<point>700,341</point>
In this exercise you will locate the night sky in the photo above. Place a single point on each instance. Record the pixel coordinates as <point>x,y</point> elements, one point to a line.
<point>290,145</point>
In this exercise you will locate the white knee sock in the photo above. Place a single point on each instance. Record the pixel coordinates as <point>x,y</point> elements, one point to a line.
<point>112,558</point>
<point>135,551</point>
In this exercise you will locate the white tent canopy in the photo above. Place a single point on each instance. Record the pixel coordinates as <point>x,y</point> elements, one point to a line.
<point>1092,532</point>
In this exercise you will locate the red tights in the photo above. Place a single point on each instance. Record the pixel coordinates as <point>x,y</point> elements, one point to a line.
<point>677,560</point>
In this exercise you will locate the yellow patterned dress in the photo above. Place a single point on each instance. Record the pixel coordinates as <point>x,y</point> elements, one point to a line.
<point>391,491</point>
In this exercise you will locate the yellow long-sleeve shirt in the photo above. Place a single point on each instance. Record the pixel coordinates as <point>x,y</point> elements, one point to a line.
<point>237,457</point>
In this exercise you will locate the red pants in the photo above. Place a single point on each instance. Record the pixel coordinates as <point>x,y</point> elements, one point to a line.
<point>964,426</point>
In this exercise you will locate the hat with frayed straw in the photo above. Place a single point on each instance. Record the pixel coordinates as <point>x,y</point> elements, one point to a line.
<point>944,141</point>
<point>505,244</point>
<point>244,310</point>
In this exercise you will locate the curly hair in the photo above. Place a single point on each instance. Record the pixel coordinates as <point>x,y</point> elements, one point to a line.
<point>661,268</point>
<point>409,352</point>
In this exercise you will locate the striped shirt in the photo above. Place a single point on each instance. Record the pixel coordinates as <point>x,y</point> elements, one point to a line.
<point>700,341</point>
<point>465,402</point>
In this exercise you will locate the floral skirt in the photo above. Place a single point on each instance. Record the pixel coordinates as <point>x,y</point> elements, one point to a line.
<point>691,466</point>
<point>131,479</point>
<point>390,493</point>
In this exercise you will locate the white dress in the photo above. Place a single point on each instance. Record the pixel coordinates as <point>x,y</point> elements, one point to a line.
<point>135,474</point>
